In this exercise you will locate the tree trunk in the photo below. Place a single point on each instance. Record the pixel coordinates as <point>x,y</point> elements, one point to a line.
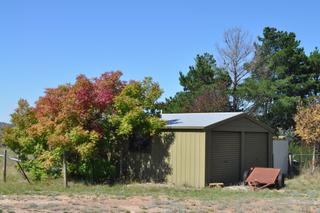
<point>5,165</point>
<point>317,155</point>
<point>314,158</point>
<point>64,170</point>
<point>120,166</point>
<point>234,90</point>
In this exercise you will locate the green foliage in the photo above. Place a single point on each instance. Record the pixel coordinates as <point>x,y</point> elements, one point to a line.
<point>205,88</point>
<point>314,67</point>
<point>2,125</point>
<point>136,108</point>
<point>205,72</point>
<point>35,169</point>
<point>281,77</point>
<point>181,102</point>
<point>16,136</point>
<point>135,120</point>
<point>296,147</point>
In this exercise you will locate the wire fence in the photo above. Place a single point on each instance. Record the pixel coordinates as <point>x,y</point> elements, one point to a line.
<point>6,157</point>
<point>303,160</point>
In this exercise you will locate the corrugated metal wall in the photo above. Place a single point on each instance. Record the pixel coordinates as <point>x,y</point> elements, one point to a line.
<point>255,150</point>
<point>187,159</point>
<point>280,155</point>
<point>234,147</point>
<point>223,157</point>
<point>240,125</point>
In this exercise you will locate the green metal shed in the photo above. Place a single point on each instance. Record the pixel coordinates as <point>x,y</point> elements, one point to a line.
<point>215,147</point>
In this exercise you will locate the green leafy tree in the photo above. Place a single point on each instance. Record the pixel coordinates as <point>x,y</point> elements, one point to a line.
<point>135,120</point>
<point>204,79</point>
<point>17,137</point>
<point>3,126</point>
<point>181,102</point>
<point>281,76</point>
<point>314,72</point>
<point>204,73</point>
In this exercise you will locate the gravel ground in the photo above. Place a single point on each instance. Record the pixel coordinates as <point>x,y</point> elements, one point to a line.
<point>99,203</point>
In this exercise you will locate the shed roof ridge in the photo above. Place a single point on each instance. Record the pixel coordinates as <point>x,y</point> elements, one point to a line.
<point>190,113</point>
<point>197,120</point>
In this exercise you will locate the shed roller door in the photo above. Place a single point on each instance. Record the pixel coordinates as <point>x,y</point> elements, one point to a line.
<point>255,150</point>
<point>226,157</point>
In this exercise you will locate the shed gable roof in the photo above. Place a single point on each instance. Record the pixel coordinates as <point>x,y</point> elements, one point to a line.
<point>196,120</point>
<point>204,120</point>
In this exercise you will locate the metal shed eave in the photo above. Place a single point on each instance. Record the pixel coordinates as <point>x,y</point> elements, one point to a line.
<point>184,128</point>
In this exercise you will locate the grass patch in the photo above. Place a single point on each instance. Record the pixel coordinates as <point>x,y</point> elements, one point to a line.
<point>305,185</point>
<point>55,187</point>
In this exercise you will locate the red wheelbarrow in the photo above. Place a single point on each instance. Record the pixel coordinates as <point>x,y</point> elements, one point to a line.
<point>260,177</point>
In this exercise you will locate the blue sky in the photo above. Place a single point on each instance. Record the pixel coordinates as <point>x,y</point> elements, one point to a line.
<point>47,43</point>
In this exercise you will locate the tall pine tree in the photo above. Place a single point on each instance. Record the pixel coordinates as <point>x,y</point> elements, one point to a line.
<point>282,75</point>
<point>204,88</point>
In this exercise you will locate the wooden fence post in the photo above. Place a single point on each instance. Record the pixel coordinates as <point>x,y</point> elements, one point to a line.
<point>64,170</point>
<point>5,166</point>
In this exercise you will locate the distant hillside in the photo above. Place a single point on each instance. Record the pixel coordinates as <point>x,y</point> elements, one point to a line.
<point>3,124</point>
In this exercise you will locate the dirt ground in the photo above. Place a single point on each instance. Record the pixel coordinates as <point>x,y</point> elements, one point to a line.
<point>98,203</point>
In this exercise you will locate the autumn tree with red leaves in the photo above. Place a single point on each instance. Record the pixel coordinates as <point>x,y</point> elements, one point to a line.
<point>86,120</point>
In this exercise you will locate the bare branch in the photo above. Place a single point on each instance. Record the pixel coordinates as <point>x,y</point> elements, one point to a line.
<point>235,52</point>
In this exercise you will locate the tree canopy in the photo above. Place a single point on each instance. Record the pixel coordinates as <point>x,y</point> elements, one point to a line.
<point>269,86</point>
<point>92,121</point>
<point>282,75</point>
<point>204,88</point>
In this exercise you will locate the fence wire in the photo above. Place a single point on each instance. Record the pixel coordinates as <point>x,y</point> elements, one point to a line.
<point>304,160</point>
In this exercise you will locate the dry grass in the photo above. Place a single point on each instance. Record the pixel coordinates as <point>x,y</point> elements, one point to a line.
<point>306,180</point>
<point>107,203</point>
<point>301,194</point>
<point>306,184</point>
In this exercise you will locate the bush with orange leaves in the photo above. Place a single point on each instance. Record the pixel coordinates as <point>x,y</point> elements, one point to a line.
<point>308,127</point>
